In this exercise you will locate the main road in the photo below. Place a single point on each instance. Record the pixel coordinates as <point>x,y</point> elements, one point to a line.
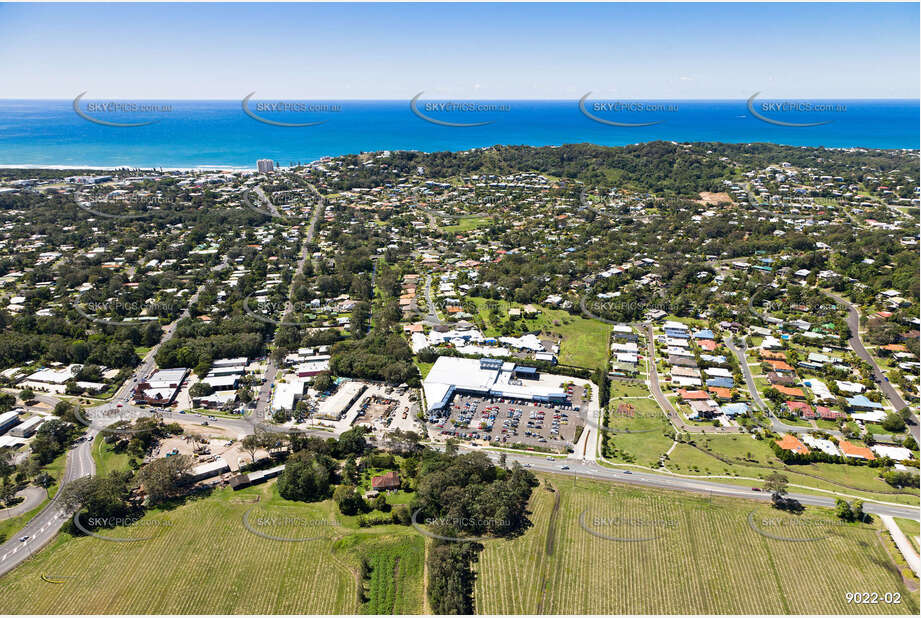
<point>148,363</point>
<point>265,391</point>
<point>592,470</point>
<point>42,528</point>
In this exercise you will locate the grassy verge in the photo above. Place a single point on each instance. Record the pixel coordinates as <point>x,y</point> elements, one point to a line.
<point>9,527</point>
<point>106,459</point>
<point>754,458</point>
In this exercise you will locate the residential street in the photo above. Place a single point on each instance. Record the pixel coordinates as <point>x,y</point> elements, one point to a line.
<point>676,419</point>
<point>777,425</point>
<point>853,323</point>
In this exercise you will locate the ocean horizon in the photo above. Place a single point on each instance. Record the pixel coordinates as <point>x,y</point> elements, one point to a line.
<point>221,134</point>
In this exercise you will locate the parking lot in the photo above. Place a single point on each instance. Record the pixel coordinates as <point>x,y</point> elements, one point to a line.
<point>514,421</point>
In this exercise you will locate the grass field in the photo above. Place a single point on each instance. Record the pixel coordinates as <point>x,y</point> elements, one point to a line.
<point>702,556</point>
<point>202,559</point>
<point>632,388</point>
<point>649,440</point>
<point>424,368</point>
<point>465,224</point>
<point>585,342</point>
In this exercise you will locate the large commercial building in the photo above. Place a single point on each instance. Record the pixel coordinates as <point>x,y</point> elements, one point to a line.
<point>337,404</point>
<point>51,380</point>
<point>487,377</point>
<point>161,387</point>
<point>265,165</point>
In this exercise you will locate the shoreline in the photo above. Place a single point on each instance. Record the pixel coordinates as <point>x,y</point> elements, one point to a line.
<point>115,168</point>
<point>237,169</point>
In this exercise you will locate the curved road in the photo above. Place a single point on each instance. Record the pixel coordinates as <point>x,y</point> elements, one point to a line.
<point>44,526</point>
<point>777,425</point>
<point>856,344</point>
<point>853,323</point>
<point>32,496</point>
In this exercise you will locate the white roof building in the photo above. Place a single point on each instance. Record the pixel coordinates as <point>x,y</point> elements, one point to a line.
<point>486,377</point>
<point>820,390</point>
<point>287,393</point>
<point>826,446</point>
<point>898,453</point>
<point>339,402</point>
<point>850,387</point>
<point>167,378</point>
<point>873,416</point>
<point>54,376</point>
<point>682,381</point>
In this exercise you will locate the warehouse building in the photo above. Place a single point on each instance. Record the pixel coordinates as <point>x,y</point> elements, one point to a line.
<point>7,420</point>
<point>488,377</point>
<point>27,428</point>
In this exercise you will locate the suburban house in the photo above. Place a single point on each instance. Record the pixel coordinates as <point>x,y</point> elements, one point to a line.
<point>788,391</point>
<point>785,379</point>
<point>860,402</point>
<point>800,407</point>
<point>790,443</point>
<point>386,482</point>
<point>857,452</point>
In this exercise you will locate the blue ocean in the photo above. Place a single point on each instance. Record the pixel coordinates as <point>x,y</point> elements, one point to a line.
<point>234,134</point>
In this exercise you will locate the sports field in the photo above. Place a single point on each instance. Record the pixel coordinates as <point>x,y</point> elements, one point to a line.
<point>202,557</point>
<point>645,551</point>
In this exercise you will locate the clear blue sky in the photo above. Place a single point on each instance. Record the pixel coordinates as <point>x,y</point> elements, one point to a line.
<point>484,51</point>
